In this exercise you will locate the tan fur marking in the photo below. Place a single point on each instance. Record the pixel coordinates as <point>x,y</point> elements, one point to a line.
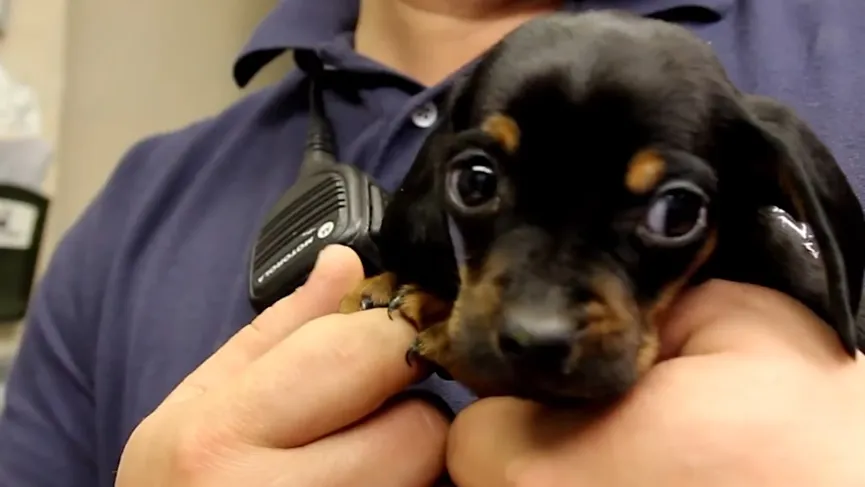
<point>435,342</point>
<point>504,129</point>
<point>379,288</point>
<point>418,307</point>
<point>647,355</point>
<point>669,293</point>
<point>421,309</point>
<point>616,313</point>
<point>612,322</point>
<point>454,320</point>
<point>644,171</point>
<point>435,346</point>
<point>480,287</point>
<point>650,345</point>
<point>483,289</point>
<point>595,311</point>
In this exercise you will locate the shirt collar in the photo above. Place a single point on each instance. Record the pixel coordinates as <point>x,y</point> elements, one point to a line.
<point>309,24</point>
<point>294,24</point>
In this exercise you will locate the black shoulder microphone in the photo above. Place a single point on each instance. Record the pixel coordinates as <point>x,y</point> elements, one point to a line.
<point>330,203</point>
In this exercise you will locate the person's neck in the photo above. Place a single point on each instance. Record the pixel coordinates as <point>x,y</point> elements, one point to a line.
<point>428,40</point>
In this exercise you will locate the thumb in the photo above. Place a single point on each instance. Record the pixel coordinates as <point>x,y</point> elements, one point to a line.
<point>724,316</point>
<point>337,271</point>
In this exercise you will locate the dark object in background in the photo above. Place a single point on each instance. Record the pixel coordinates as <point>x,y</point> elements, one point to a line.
<point>330,203</point>
<point>590,169</point>
<point>22,222</point>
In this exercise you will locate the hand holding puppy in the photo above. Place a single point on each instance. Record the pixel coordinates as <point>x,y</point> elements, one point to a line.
<point>754,391</point>
<point>296,398</point>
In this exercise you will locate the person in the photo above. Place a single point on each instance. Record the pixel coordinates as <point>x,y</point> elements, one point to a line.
<point>143,363</point>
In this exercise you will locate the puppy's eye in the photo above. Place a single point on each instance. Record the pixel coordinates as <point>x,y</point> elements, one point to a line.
<point>676,216</point>
<point>472,181</point>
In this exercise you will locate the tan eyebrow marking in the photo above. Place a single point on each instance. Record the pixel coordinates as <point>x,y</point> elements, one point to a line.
<point>504,129</point>
<point>644,172</point>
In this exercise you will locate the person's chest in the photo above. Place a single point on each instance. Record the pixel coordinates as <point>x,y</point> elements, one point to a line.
<point>181,286</point>
<point>808,55</point>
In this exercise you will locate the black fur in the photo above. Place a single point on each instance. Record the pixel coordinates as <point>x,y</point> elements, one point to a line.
<point>589,91</point>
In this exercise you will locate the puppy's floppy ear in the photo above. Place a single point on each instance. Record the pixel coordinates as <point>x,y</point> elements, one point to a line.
<point>781,162</point>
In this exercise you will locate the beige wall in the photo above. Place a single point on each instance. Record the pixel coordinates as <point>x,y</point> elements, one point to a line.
<point>138,67</point>
<point>110,72</point>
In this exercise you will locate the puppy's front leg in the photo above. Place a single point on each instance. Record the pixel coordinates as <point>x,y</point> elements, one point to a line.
<point>428,314</point>
<point>432,345</point>
<point>418,307</point>
<point>373,292</point>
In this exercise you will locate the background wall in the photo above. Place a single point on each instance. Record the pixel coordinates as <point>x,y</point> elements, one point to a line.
<point>110,72</point>
<point>137,67</point>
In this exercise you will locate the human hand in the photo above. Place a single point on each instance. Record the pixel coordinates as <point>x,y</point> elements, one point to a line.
<point>754,391</point>
<point>300,397</point>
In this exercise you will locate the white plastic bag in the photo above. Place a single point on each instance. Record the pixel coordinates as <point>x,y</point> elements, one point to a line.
<point>25,156</point>
<point>20,114</point>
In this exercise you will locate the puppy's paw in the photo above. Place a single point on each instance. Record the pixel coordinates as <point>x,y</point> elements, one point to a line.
<point>416,306</point>
<point>432,348</point>
<point>419,307</point>
<point>425,312</point>
<point>374,292</point>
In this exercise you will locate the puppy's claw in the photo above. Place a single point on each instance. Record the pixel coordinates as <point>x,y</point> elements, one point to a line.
<point>373,292</point>
<point>395,304</point>
<point>412,355</point>
<point>366,302</point>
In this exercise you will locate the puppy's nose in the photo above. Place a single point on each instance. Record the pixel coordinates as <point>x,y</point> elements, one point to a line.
<point>539,342</point>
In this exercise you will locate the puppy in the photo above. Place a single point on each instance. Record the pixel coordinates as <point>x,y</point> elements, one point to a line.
<point>588,170</point>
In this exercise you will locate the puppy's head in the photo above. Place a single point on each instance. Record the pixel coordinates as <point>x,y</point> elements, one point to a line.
<point>581,177</point>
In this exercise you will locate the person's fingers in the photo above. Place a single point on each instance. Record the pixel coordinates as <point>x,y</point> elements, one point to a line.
<point>492,442</point>
<point>330,373</point>
<point>400,446</point>
<point>337,270</point>
<point>498,442</point>
<point>723,316</point>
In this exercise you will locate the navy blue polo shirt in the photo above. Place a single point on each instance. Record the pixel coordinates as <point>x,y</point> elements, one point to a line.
<point>152,279</point>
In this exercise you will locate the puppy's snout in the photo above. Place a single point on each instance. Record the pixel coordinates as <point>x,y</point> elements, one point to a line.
<point>537,341</point>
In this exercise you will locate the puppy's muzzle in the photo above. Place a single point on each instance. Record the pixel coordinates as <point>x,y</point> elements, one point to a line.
<point>537,341</point>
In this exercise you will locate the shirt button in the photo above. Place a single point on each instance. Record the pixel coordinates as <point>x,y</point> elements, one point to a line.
<point>425,115</point>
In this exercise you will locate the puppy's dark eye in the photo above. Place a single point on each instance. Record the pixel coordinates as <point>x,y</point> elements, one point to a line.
<point>472,181</point>
<point>676,216</point>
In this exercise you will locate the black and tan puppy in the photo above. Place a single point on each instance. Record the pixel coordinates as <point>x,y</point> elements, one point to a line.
<point>588,170</point>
